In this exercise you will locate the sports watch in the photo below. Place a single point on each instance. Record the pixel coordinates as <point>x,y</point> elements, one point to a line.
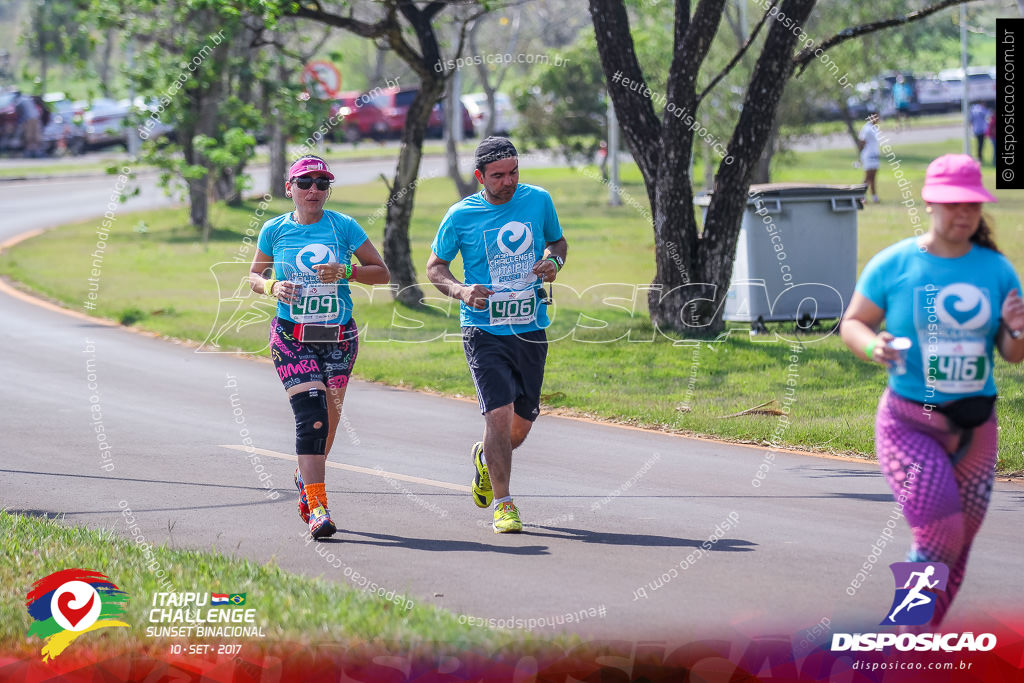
<point>559,261</point>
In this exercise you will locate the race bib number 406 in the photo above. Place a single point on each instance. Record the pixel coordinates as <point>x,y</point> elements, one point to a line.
<point>513,308</point>
<point>318,303</point>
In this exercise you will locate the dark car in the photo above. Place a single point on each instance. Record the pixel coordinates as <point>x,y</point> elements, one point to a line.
<point>395,103</point>
<point>8,117</point>
<point>64,134</point>
<point>356,117</point>
<point>60,132</point>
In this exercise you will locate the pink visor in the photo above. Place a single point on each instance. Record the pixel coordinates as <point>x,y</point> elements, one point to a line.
<point>954,178</point>
<point>306,166</point>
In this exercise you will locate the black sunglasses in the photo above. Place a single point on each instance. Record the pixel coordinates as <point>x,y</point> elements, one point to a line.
<point>306,183</point>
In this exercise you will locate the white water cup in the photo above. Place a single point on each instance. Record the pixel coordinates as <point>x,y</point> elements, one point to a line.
<point>901,344</point>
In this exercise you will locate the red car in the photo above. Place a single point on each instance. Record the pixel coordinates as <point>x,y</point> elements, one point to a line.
<point>356,117</point>
<point>395,103</point>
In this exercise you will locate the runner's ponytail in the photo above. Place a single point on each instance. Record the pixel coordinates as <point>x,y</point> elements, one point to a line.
<point>983,236</point>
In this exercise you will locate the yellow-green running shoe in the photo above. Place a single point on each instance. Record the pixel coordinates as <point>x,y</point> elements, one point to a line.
<point>482,493</point>
<point>506,519</point>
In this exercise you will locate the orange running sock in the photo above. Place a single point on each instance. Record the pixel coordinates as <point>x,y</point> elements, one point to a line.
<point>316,494</point>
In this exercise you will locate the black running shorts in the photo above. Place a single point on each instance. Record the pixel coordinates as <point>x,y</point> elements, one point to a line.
<point>507,369</point>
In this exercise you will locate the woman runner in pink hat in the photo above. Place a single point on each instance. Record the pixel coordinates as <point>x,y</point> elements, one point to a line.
<point>949,298</point>
<point>304,260</point>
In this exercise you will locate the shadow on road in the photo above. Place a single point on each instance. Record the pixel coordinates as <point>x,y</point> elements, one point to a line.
<point>646,540</point>
<point>437,544</point>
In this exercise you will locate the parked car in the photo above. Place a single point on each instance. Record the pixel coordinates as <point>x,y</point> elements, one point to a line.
<point>981,84</point>
<point>933,95</point>
<point>105,122</point>
<point>359,118</point>
<point>65,133</point>
<point>8,117</point>
<point>394,104</point>
<point>507,118</point>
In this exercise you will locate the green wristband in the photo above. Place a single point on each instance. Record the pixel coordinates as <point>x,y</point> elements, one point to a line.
<point>557,267</point>
<point>348,271</point>
<point>869,350</point>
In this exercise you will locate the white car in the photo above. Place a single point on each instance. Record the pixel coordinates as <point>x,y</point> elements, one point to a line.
<point>506,120</point>
<point>981,83</point>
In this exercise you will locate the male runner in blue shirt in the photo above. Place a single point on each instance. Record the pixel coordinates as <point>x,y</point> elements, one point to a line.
<point>510,241</point>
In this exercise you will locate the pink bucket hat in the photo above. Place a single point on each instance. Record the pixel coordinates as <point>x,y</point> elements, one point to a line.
<point>306,166</point>
<point>954,178</point>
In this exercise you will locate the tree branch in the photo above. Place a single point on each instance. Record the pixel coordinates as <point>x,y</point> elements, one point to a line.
<point>312,10</point>
<point>739,55</point>
<point>804,57</point>
<point>633,105</point>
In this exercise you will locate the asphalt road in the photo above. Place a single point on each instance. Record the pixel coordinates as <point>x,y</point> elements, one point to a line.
<point>616,517</point>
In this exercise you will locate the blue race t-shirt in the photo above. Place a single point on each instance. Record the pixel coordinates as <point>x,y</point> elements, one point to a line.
<point>500,243</point>
<point>296,248</point>
<point>950,310</point>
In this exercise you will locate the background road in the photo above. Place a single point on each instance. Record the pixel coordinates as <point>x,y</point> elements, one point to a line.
<point>609,510</point>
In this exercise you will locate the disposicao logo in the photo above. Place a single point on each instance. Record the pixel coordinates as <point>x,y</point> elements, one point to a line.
<point>917,587</point>
<point>913,604</point>
<point>68,603</point>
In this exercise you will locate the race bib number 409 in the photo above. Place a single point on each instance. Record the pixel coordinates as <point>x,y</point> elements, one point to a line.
<point>318,303</point>
<point>513,308</point>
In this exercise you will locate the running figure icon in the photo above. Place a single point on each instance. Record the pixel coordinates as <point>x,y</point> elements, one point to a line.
<point>916,597</point>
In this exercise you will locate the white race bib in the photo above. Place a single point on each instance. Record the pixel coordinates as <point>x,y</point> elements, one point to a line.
<point>318,303</point>
<point>516,307</point>
<point>957,367</point>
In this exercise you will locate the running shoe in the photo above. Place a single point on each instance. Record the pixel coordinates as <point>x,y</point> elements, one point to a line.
<point>320,524</point>
<point>482,493</point>
<point>303,501</point>
<point>506,519</point>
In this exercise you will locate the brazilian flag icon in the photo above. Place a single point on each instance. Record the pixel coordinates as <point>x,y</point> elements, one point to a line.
<point>237,598</point>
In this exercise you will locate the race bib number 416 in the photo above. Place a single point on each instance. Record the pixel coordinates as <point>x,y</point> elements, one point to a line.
<point>513,308</point>
<point>959,367</point>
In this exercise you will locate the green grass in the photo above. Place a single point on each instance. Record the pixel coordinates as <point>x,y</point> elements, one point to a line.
<point>56,167</point>
<point>161,280</point>
<point>291,609</point>
<point>927,121</point>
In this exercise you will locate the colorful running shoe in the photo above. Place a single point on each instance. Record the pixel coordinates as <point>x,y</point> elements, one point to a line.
<point>303,501</point>
<point>320,523</point>
<point>506,519</point>
<point>482,493</point>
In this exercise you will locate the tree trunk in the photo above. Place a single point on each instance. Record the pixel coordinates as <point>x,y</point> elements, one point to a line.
<point>453,108</point>
<point>693,270</point>
<point>278,143</point>
<point>763,169</point>
<point>397,253</point>
<point>104,66</point>
<point>753,130</point>
<point>206,102</point>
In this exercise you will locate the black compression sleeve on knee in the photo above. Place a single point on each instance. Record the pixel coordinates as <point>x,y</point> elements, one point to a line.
<point>310,408</point>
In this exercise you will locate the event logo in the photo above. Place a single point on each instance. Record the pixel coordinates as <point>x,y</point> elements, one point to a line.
<point>68,603</point>
<point>311,255</point>
<point>917,587</point>
<point>962,306</point>
<point>514,238</point>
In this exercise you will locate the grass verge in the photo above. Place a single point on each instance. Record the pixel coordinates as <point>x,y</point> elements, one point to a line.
<point>291,608</point>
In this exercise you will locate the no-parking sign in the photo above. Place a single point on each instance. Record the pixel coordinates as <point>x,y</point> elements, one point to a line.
<point>322,80</point>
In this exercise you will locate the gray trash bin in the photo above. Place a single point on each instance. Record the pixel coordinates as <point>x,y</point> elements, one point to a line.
<point>796,257</point>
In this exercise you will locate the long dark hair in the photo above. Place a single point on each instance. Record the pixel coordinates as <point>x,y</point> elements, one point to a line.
<point>983,235</point>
